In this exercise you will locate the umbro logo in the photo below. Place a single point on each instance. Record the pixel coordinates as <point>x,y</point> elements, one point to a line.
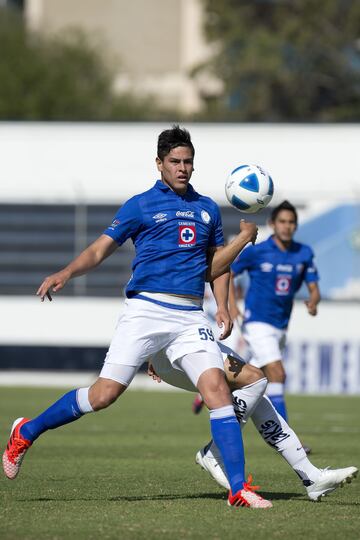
<point>160,217</point>
<point>266,267</point>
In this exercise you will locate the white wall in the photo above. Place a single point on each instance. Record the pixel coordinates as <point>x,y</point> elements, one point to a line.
<point>108,163</point>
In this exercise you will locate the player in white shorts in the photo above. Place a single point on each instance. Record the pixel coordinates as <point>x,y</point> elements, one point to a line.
<point>248,384</point>
<point>149,327</point>
<point>178,239</point>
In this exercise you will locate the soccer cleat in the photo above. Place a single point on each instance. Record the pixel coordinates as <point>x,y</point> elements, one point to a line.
<point>247,497</point>
<point>211,465</point>
<point>16,449</point>
<point>197,404</point>
<point>329,480</point>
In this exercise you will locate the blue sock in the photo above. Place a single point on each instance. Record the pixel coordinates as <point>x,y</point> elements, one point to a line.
<point>63,411</point>
<point>279,405</point>
<point>227,436</point>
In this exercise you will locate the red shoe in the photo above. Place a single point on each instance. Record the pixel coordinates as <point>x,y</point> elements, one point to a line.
<point>16,449</point>
<point>247,497</point>
<point>198,404</point>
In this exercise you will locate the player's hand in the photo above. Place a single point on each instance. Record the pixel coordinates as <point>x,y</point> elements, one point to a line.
<point>55,282</point>
<point>311,307</point>
<point>224,322</point>
<point>249,229</point>
<point>152,373</point>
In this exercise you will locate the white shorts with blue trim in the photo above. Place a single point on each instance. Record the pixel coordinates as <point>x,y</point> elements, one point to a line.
<point>145,328</point>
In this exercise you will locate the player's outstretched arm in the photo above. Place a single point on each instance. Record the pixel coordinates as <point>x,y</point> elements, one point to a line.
<point>91,257</point>
<point>314,298</point>
<point>220,260</point>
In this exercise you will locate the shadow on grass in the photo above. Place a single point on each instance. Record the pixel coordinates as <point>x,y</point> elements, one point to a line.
<point>219,496</point>
<point>160,497</point>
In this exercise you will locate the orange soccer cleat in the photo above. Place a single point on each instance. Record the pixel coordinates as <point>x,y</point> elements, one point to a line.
<point>247,497</point>
<point>16,449</point>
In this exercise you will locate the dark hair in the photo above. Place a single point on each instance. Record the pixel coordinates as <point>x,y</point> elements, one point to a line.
<point>285,205</point>
<point>172,138</point>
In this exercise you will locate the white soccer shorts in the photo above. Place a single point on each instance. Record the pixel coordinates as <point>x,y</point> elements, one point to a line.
<point>266,343</point>
<point>146,328</point>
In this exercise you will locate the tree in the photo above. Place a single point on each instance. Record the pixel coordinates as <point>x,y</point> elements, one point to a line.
<point>285,60</point>
<point>56,78</point>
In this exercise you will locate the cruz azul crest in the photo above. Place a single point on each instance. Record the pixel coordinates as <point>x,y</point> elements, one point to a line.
<point>187,235</point>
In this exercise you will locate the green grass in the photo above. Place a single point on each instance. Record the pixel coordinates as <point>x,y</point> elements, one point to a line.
<point>129,473</point>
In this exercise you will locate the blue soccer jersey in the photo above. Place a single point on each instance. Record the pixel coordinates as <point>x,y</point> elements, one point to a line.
<point>275,277</point>
<point>171,234</point>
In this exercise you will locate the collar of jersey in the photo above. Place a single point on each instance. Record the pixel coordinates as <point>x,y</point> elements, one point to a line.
<point>273,244</point>
<point>160,185</point>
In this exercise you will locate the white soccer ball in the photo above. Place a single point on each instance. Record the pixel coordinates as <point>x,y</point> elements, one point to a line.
<point>249,188</point>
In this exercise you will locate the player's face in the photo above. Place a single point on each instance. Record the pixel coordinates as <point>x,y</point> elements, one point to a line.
<point>176,168</point>
<point>284,226</point>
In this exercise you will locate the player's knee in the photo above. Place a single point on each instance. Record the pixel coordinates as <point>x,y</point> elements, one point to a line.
<point>251,374</point>
<point>216,393</point>
<point>213,382</point>
<point>104,395</point>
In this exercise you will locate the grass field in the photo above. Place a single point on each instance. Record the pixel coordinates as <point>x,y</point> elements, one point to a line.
<point>129,473</point>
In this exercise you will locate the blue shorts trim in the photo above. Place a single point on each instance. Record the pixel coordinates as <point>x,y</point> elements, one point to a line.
<point>166,304</point>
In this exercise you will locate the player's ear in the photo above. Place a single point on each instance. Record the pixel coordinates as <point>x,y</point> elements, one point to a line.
<point>159,164</point>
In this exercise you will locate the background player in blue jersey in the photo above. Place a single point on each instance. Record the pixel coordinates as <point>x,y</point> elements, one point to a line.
<point>178,241</point>
<point>276,268</point>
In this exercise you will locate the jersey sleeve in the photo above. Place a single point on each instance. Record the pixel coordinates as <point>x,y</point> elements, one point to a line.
<point>216,237</point>
<point>243,261</point>
<point>310,271</point>
<point>126,223</point>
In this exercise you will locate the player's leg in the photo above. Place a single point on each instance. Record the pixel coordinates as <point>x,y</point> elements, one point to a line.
<point>278,434</point>
<point>267,344</point>
<point>70,407</point>
<point>113,381</point>
<point>275,374</point>
<point>212,385</point>
<point>247,384</point>
<point>210,381</point>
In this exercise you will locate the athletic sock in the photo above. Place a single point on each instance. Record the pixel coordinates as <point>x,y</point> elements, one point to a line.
<point>67,409</point>
<point>227,436</point>
<point>275,392</point>
<point>278,434</point>
<point>246,399</point>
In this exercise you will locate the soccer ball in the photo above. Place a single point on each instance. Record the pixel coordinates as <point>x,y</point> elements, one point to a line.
<point>249,188</point>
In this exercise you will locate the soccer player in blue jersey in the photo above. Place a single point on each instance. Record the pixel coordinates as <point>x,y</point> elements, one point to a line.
<point>277,268</point>
<point>178,240</point>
